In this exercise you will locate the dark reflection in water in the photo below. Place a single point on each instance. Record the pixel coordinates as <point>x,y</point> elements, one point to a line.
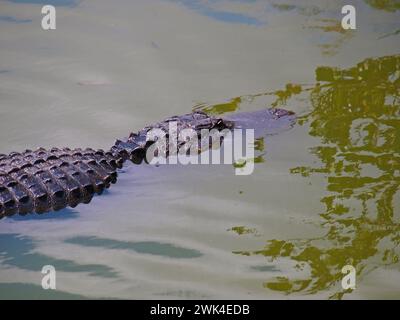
<point>12,291</point>
<point>17,250</point>
<point>63,214</point>
<point>148,247</point>
<point>356,115</point>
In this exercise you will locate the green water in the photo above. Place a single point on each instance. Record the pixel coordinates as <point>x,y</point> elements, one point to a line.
<point>323,195</point>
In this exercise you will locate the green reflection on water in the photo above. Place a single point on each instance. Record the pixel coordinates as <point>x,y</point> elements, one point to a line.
<point>387,5</point>
<point>220,108</point>
<point>243,230</point>
<point>356,115</point>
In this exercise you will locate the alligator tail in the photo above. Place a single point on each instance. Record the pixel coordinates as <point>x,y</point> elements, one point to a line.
<point>49,180</point>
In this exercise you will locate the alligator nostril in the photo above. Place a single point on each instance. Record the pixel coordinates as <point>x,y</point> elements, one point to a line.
<point>59,194</point>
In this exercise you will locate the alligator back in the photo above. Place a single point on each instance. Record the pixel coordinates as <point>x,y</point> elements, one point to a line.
<point>50,180</point>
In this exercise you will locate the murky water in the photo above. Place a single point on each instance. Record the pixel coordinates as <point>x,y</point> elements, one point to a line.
<point>324,194</point>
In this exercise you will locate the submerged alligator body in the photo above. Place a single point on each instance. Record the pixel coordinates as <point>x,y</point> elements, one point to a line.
<point>50,180</point>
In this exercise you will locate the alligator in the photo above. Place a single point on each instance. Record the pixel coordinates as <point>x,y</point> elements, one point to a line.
<point>46,180</point>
